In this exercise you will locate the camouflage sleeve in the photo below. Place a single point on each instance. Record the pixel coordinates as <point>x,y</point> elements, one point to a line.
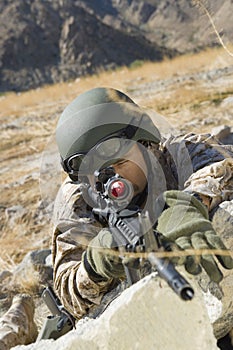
<point>213,183</point>
<point>202,165</point>
<point>75,226</point>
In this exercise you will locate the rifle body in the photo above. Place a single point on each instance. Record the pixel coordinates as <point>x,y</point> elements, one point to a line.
<point>133,233</point>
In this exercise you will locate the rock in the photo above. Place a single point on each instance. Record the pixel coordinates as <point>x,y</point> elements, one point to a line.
<point>227,207</point>
<point>149,316</point>
<point>48,260</point>
<point>223,222</point>
<point>228,101</point>
<point>223,133</point>
<point>34,267</point>
<point>218,298</point>
<point>36,257</point>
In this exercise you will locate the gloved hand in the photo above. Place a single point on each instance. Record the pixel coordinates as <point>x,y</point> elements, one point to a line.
<point>101,260</point>
<point>186,223</point>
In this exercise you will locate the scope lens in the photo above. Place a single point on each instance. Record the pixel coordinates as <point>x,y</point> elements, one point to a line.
<point>118,189</point>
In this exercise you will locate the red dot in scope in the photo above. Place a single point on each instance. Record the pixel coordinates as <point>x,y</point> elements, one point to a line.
<point>118,189</point>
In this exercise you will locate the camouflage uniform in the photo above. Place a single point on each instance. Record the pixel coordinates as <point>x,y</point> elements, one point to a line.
<point>193,162</point>
<point>17,325</point>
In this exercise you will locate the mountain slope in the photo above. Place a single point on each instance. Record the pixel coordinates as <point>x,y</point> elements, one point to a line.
<point>43,42</point>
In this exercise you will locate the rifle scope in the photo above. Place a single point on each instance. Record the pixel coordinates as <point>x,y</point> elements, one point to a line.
<point>112,186</point>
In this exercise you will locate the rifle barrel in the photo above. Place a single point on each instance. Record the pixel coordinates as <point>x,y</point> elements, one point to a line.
<point>167,271</point>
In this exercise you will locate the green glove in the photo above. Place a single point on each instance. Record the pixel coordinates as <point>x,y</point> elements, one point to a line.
<point>186,223</point>
<point>101,261</point>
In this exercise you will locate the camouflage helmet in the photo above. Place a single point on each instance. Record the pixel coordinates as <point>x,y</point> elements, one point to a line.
<point>97,114</point>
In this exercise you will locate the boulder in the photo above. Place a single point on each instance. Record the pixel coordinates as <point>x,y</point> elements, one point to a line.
<point>219,298</point>
<point>35,269</point>
<point>224,134</point>
<point>148,315</point>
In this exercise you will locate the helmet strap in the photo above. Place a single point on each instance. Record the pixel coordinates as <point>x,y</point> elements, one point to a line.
<point>130,131</point>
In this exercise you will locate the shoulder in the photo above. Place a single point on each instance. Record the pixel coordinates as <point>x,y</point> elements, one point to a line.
<point>69,200</point>
<point>201,149</point>
<point>69,191</point>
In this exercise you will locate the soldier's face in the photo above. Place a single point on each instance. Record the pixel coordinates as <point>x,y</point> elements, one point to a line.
<point>133,168</point>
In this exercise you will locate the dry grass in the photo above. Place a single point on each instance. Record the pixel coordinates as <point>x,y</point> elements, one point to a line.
<point>57,95</point>
<point>37,111</point>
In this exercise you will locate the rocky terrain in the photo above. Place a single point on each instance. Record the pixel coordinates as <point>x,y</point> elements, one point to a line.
<point>146,323</point>
<point>47,41</point>
<point>75,46</point>
<point>188,93</point>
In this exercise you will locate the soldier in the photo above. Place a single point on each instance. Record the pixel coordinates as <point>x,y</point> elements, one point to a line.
<point>180,181</point>
<point>190,175</point>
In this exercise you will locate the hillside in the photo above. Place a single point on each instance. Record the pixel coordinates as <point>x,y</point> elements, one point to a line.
<point>46,41</point>
<point>190,93</point>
